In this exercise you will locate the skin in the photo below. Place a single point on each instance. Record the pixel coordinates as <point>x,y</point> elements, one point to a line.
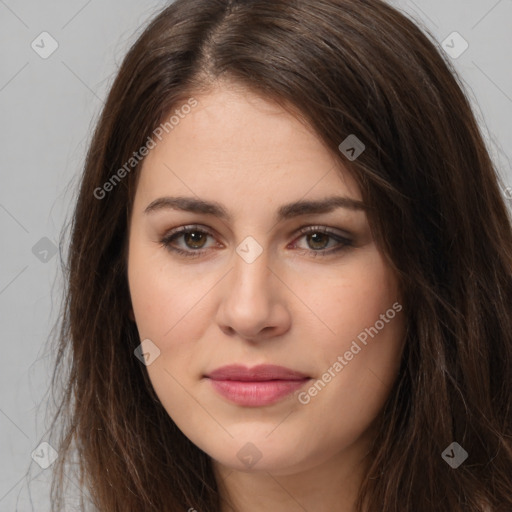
<point>290,306</point>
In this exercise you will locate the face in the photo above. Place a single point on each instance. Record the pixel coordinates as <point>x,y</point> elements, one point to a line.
<point>272,323</point>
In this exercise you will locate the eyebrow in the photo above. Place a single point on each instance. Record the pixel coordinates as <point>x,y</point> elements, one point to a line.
<point>286,211</point>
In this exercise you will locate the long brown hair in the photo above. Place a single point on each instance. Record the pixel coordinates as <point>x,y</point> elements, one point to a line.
<point>436,212</point>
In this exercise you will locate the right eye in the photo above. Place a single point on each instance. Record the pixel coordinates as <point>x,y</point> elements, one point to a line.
<point>194,237</point>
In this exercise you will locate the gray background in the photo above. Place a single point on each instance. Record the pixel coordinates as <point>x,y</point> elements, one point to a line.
<point>49,107</point>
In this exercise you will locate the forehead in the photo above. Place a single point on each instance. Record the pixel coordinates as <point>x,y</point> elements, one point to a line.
<point>242,142</point>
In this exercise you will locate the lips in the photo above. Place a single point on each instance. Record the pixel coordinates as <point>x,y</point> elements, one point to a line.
<point>257,386</point>
<point>263,372</point>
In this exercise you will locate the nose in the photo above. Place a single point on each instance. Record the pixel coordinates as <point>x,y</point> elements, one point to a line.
<point>253,301</point>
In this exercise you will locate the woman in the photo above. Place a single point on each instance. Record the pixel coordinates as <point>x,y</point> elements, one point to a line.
<point>290,273</point>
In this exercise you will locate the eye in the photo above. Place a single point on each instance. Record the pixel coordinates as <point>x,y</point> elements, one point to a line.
<point>195,238</point>
<point>318,239</point>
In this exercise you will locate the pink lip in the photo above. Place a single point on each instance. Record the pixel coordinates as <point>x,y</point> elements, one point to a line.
<point>257,386</point>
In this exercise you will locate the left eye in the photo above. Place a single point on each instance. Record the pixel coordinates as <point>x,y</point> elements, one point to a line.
<point>195,239</point>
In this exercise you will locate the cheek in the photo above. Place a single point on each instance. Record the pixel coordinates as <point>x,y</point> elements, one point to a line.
<point>170,310</point>
<point>351,298</point>
<point>347,395</point>
<point>359,358</point>
<point>163,295</point>
<point>166,312</point>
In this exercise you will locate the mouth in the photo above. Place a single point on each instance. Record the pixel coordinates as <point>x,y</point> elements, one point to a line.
<point>257,386</point>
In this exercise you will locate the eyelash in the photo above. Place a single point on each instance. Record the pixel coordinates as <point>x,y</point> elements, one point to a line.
<point>166,242</point>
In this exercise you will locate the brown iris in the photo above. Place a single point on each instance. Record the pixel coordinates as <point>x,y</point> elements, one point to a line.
<point>318,239</point>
